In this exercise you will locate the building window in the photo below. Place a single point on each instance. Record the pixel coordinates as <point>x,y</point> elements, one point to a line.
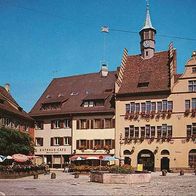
<point>192,86</point>
<point>146,53</point>
<point>147,131</point>
<point>83,123</point>
<point>67,123</point>
<point>66,141</point>
<point>153,106</point>
<point>132,107</point>
<point>188,130</point>
<point>159,106</point>
<point>137,107</point>
<point>136,132</point>
<point>56,141</point>
<point>187,105</point>
<point>108,123</point>
<point>158,131</point>
<point>164,105</point>
<point>194,103</point>
<point>127,108</point>
<point>39,141</point>
<point>148,106</point>
<point>39,125</point>
<point>169,131</point>
<point>142,132</point>
<point>127,132</point>
<point>55,124</point>
<point>194,70</point>
<point>152,130</point>
<point>143,107</point>
<point>170,105</point>
<point>131,131</point>
<point>97,124</point>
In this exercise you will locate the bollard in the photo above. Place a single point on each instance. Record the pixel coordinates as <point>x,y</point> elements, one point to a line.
<point>35,176</point>
<point>76,175</point>
<point>181,172</point>
<point>53,176</point>
<point>164,172</point>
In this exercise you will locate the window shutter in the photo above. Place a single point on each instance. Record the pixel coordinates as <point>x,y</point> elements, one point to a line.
<point>102,143</point>
<point>52,141</point>
<point>87,144</point>
<point>87,124</point>
<point>61,124</point>
<point>70,123</point>
<point>113,123</point>
<point>77,144</point>
<point>70,140</point>
<point>113,144</point>
<point>91,144</point>
<point>61,141</point>
<point>92,126</point>
<point>52,124</point>
<point>102,123</point>
<point>78,124</point>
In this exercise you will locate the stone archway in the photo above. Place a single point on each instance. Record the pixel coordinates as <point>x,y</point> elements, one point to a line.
<point>146,157</point>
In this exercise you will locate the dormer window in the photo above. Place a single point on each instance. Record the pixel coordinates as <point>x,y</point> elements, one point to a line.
<point>194,70</point>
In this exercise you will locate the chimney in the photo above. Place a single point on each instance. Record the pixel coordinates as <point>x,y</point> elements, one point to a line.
<point>104,70</point>
<point>7,87</point>
<point>194,55</point>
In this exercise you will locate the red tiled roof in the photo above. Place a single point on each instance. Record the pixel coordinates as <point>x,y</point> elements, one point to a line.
<point>176,76</point>
<point>146,75</point>
<point>9,105</point>
<point>76,88</point>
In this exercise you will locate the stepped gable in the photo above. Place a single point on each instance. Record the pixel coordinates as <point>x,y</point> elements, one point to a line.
<point>146,75</point>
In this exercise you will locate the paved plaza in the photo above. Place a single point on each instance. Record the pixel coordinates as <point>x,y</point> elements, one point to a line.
<point>66,184</point>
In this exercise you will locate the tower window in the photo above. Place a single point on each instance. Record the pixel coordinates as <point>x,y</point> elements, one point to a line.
<point>146,53</point>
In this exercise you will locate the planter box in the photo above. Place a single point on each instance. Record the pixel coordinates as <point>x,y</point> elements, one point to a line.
<point>113,178</point>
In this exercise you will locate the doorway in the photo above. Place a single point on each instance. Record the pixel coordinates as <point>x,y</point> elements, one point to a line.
<point>146,157</point>
<point>165,163</point>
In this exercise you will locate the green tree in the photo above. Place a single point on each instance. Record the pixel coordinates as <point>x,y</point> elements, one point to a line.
<point>13,142</point>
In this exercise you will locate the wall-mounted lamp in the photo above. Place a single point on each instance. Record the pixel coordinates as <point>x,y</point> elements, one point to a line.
<point>156,150</point>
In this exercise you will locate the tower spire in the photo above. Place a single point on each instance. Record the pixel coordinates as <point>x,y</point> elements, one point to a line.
<point>147,34</point>
<point>148,23</point>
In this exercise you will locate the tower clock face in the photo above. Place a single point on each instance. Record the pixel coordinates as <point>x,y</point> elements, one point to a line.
<point>146,43</point>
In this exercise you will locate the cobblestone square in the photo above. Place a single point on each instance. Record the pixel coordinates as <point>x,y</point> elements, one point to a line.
<point>66,184</point>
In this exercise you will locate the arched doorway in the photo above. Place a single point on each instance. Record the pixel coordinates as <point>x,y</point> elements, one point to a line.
<point>165,163</point>
<point>146,157</point>
<point>165,160</point>
<point>192,158</point>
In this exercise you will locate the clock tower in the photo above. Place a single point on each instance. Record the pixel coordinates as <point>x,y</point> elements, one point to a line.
<point>147,34</point>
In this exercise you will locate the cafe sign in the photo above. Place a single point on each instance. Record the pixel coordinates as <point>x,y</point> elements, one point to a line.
<point>58,150</point>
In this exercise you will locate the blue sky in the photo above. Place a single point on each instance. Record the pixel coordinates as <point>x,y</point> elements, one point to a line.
<point>43,39</point>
